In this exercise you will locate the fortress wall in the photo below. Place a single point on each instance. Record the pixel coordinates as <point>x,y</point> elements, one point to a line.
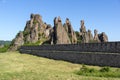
<point>102,54</point>
<point>111,47</point>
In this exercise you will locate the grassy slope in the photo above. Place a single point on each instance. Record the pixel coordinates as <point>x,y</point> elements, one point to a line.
<point>15,66</point>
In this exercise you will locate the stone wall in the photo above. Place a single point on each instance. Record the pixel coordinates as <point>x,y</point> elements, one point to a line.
<point>102,54</point>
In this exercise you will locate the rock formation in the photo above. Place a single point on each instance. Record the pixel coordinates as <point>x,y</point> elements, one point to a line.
<point>35,28</point>
<point>70,31</point>
<point>90,36</point>
<point>37,32</point>
<point>17,42</point>
<point>96,38</point>
<point>85,35</point>
<point>60,36</point>
<point>103,37</point>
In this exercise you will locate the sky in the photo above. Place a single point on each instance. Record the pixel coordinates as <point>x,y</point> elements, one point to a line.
<point>103,15</point>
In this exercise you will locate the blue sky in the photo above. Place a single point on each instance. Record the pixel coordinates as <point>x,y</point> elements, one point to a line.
<point>103,15</point>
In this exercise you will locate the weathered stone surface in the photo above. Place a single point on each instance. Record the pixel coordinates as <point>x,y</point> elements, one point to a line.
<point>60,35</point>
<point>17,42</point>
<point>34,33</point>
<point>87,36</point>
<point>103,37</point>
<point>35,29</point>
<point>90,36</point>
<point>96,38</point>
<point>70,31</point>
<point>83,28</point>
<point>47,31</point>
<point>83,33</point>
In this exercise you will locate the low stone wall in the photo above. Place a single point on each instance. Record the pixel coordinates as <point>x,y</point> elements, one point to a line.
<point>93,53</point>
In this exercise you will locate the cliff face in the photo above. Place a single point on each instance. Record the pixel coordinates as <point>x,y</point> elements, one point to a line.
<point>36,32</point>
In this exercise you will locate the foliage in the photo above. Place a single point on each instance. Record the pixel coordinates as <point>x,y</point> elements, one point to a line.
<point>5,45</point>
<point>93,41</point>
<point>77,33</point>
<point>2,42</point>
<point>70,36</point>
<point>32,44</point>
<point>79,38</point>
<point>85,69</point>
<point>46,42</point>
<point>4,49</point>
<point>105,69</point>
<point>103,72</point>
<point>35,21</point>
<point>25,33</point>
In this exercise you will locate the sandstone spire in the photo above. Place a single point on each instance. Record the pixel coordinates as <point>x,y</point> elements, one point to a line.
<point>86,36</point>
<point>96,38</point>
<point>103,37</point>
<point>60,35</point>
<point>69,29</point>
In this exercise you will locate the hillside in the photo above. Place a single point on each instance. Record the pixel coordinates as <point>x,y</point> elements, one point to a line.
<point>4,45</point>
<point>16,66</point>
<point>2,42</point>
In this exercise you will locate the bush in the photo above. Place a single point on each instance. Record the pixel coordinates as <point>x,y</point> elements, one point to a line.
<point>79,38</point>
<point>4,49</point>
<point>84,70</point>
<point>105,69</point>
<point>103,72</point>
<point>25,33</point>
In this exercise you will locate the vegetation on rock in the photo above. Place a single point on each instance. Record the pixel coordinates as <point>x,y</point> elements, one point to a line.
<point>37,31</point>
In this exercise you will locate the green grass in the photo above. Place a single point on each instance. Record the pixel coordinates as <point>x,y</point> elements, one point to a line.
<point>16,66</point>
<point>4,49</point>
<point>102,72</point>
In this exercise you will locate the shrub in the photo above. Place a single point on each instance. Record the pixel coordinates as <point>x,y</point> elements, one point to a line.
<point>25,33</point>
<point>4,49</point>
<point>85,70</point>
<point>79,38</point>
<point>105,69</point>
<point>103,72</point>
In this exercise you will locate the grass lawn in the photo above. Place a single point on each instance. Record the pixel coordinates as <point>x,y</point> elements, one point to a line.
<point>16,66</point>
